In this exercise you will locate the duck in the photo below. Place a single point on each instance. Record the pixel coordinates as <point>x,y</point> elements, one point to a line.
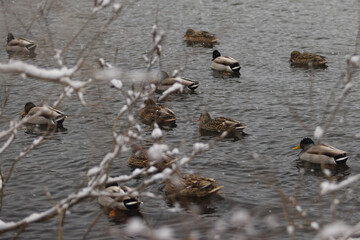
<point>224,63</point>
<point>191,186</point>
<point>219,125</point>
<point>43,115</point>
<point>307,59</point>
<point>140,159</point>
<point>123,203</point>
<point>203,38</point>
<point>164,82</point>
<point>157,113</point>
<point>20,45</point>
<point>320,153</point>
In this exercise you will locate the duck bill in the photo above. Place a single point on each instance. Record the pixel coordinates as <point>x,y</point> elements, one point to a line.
<point>297,147</point>
<point>23,114</point>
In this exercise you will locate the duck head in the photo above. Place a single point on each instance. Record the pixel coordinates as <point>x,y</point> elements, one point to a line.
<point>305,144</point>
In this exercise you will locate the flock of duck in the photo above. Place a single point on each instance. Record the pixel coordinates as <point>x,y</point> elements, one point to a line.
<point>185,186</point>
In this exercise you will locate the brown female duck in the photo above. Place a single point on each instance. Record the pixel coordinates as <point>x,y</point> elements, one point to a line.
<point>191,186</point>
<point>307,59</point>
<point>164,82</point>
<point>219,125</point>
<point>203,38</point>
<point>140,159</point>
<point>157,113</point>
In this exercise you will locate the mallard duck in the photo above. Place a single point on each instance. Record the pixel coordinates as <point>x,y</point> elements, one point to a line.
<point>121,203</point>
<point>43,115</point>
<point>219,125</point>
<point>157,113</point>
<point>140,159</point>
<point>224,63</point>
<point>320,153</point>
<point>201,37</point>
<point>191,186</point>
<point>164,82</point>
<point>307,59</point>
<point>20,45</point>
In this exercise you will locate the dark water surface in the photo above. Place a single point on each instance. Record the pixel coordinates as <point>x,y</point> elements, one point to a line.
<point>261,36</point>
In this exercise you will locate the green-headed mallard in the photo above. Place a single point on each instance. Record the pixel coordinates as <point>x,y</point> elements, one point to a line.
<point>224,63</point>
<point>203,38</point>
<point>124,202</point>
<point>320,153</point>
<point>157,113</point>
<point>140,159</point>
<point>219,125</point>
<point>191,186</point>
<point>44,115</point>
<point>164,82</point>
<point>307,59</point>
<point>20,45</point>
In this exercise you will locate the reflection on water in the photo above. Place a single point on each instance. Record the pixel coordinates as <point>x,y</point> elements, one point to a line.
<point>339,171</point>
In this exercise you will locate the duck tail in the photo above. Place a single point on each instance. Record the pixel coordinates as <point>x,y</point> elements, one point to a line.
<point>31,47</point>
<point>235,67</point>
<point>341,158</point>
<point>131,204</point>
<point>193,86</point>
<point>216,189</point>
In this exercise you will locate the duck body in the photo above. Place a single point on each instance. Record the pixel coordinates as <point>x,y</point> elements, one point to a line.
<point>219,125</point>
<point>157,113</point>
<point>124,203</point>
<point>191,186</point>
<point>203,38</point>
<point>140,159</point>
<point>320,153</point>
<point>165,82</point>
<point>20,45</point>
<point>307,59</point>
<point>224,63</point>
<point>47,116</point>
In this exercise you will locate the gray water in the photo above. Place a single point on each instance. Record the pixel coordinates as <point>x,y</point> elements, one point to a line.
<point>261,35</point>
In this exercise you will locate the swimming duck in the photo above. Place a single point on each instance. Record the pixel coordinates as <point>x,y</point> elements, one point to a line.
<point>44,115</point>
<point>191,186</point>
<point>307,59</point>
<point>224,63</point>
<point>320,153</point>
<point>164,82</point>
<point>121,203</point>
<point>219,125</point>
<point>140,159</point>
<point>203,38</point>
<point>157,113</point>
<point>20,45</point>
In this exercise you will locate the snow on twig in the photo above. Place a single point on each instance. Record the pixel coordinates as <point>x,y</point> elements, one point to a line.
<point>329,187</point>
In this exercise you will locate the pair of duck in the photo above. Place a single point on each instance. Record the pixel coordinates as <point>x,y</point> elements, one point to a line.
<point>207,39</point>
<point>306,59</point>
<point>162,115</point>
<point>183,187</point>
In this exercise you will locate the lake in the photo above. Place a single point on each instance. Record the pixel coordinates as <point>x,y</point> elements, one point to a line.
<point>254,170</point>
